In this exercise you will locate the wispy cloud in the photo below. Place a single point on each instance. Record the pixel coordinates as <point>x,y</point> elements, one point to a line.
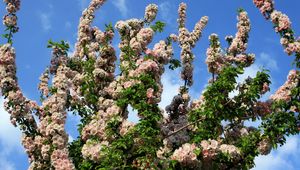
<point>5,164</point>
<point>68,24</point>
<point>165,11</point>
<point>45,21</point>
<point>268,61</point>
<point>45,18</point>
<point>168,13</point>
<point>121,6</point>
<point>281,158</point>
<point>82,4</point>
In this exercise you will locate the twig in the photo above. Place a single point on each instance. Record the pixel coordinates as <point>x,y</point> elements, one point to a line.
<point>180,129</point>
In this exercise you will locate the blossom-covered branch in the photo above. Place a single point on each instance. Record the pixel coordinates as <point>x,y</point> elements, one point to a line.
<point>208,133</point>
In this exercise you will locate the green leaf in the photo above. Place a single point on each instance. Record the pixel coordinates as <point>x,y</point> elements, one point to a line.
<point>109,27</point>
<point>5,36</point>
<point>158,26</point>
<point>240,70</point>
<point>174,63</point>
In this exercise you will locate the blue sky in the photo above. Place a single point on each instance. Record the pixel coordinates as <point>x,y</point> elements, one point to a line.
<point>40,21</point>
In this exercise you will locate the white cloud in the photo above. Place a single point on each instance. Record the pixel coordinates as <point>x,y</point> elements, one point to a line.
<point>132,115</point>
<point>5,164</point>
<point>9,139</point>
<point>45,17</point>
<point>122,7</point>
<point>45,21</point>
<point>165,11</point>
<point>281,158</point>
<point>271,162</point>
<point>249,72</point>
<point>268,61</point>
<point>171,85</point>
<point>9,135</point>
<point>70,139</point>
<point>292,147</point>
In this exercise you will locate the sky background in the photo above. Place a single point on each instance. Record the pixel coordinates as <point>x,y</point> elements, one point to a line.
<point>40,21</point>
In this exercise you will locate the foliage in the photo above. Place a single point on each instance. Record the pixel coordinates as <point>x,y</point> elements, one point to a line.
<point>209,133</point>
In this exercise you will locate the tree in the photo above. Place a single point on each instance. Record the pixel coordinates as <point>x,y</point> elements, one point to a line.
<point>208,133</point>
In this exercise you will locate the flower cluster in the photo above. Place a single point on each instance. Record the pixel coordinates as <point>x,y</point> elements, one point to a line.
<point>284,92</point>
<point>182,15</point>
<point>173,126</point>
<point>105,66</point>
<point>10,19</point>
<point>264,146</point>
<point>44,80</point>
<point>60,160</point>
<point>162,52</point>
<point>197,32</point>
<point>214,59</point>
<point>19,108</point>
<point>7,69</point>
<point>239,42</point>
<point>293,47</point>
<point>92,150</point>
<point>125,127</point>
<point>232,132</point>
<point>282,25</point>
<point>176,107</point>
<point>192,136</point>
<point>96,127</point>
<point>262,108</point>
<point>84,28</point>
<point>142,39</point>
<point>232,150</point>
<point>179,105</point>
<point>209,149</point>
<point>212,148</point>
<point>151,12</point>
<point>188,40</point>
<point>53,119</point>
<point>242,59</point>
<point>281,20</point>
<point>265,6</point>
<point>186,156</point>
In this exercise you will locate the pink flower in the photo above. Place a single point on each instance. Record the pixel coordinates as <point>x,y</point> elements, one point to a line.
<point>264,147</point>
<point>265,88</point>
<point>150,92</point>
<point>186,156</point>
<point>151,12</point>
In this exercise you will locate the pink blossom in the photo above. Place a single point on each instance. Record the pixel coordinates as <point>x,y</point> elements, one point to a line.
<point>264,146</point>
<point>150,92</point>
<point>186,156</point>
<point>151,12</point>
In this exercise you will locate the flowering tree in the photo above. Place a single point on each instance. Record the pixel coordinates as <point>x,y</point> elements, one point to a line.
<point>208,133</point>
